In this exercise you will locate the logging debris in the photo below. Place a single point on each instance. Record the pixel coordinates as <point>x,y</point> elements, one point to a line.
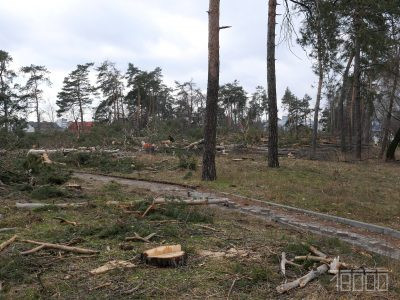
<point>44,205</point>
<point>44,245</point>
<point>62,220</point>
<point>111,265</point>
<point>329,265</point>
<point>139,238</point>
<point>7,243</point>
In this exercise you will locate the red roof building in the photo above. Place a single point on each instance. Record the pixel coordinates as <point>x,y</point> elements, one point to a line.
<point>83,127</point>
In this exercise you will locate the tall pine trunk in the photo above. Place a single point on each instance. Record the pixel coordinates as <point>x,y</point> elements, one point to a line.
<point>316,109</point>
<point>390,109</point>
<point>273,161</point>
<point>390,154</point>
<point>343,94</point>
<point>210,126</point>
<point>357,73</point>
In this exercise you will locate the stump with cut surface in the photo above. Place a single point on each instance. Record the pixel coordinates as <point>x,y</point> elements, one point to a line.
<point>165,256</point>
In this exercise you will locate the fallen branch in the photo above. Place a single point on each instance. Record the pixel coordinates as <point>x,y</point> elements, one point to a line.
<point>151,206</point>
<point>7,243</point>
<point>8,229</point>
<point>285,262</point>
<point>206,227</point>
<point>315,251</point>
<point>302,281</point>
<point>139,238</point>
<point>231,288</point>
<point>111,265</point>
<point>62,220</point>
<point>314,258</point>
<point>58,247</point>
<point>41,205</point>
<point>191,201</point>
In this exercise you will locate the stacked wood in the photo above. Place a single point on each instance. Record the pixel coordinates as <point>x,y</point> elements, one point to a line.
<point>165,256</point>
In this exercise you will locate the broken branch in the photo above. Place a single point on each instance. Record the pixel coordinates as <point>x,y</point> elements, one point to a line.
<point>59,247</point>
<point>139,238</point>
<point>7,243</point>
<point>302,281</point>
<point>62,220</point>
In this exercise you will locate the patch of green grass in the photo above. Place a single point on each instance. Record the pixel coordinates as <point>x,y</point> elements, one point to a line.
<point>102,162</point>
<point>47,191</point>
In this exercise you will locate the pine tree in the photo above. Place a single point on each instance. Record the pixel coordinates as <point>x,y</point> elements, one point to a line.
<point>210,127</point>
<point>77,92</point>
<point>109,82</point>
<point>9,100</point>
<point>32,91</point>
<point>273,160</point>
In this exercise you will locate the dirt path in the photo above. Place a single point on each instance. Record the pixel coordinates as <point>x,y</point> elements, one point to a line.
<point>378,239</point>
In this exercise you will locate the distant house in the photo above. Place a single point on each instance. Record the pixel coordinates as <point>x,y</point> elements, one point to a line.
<point>282,122</point>
<point>85,126</point>
<point>29,128</point>
<point>62,123</point>
<point>44,127</point>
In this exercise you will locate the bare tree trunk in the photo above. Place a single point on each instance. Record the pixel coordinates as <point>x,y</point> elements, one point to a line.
<point>343,94</point>
<point>390,154</point>
<point>389,111</point>
<point>139,114</point>
<point>357,100</point>
<point>37,108</point>
<point>273,161</point>
<point>316,110</point>
<point>210,126</point>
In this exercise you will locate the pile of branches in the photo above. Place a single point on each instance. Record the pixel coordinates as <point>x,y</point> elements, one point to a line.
<point>328,265</point>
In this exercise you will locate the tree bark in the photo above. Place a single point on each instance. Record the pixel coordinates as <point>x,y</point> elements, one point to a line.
<point>273,161</point>
<point>210,126</point>
<point>357,73</point>
<point>386,128</point>
<point>316,111</point>
<point>343,94</point>
<point>390,154</point>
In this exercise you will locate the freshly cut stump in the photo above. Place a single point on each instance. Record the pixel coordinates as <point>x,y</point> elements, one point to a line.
<point>165,256</point>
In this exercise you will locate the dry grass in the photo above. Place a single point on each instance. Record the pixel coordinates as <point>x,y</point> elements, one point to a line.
<point>367,191</point>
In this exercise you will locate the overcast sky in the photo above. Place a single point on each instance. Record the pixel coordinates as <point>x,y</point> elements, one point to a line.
<point>171,34</point>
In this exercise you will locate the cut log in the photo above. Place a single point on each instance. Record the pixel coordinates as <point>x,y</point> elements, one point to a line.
<point>302,281</point>
<point>111,265</point>
<point>41,205</point>
<point>314,258</point>
<point>46,159</point>
<point>7,243</point>
<point>165,256</point>
<point>58,247</point>
<point>191,201</point>
<point>192,145</point>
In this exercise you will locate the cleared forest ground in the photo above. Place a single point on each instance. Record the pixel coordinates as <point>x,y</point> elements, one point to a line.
<point>254,264</point>
<point>367,191</point>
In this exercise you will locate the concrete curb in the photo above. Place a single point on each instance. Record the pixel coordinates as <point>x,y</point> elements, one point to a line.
<point>354,223</point>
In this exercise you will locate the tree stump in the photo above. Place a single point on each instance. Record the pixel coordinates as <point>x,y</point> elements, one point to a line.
<point>165,256</point>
